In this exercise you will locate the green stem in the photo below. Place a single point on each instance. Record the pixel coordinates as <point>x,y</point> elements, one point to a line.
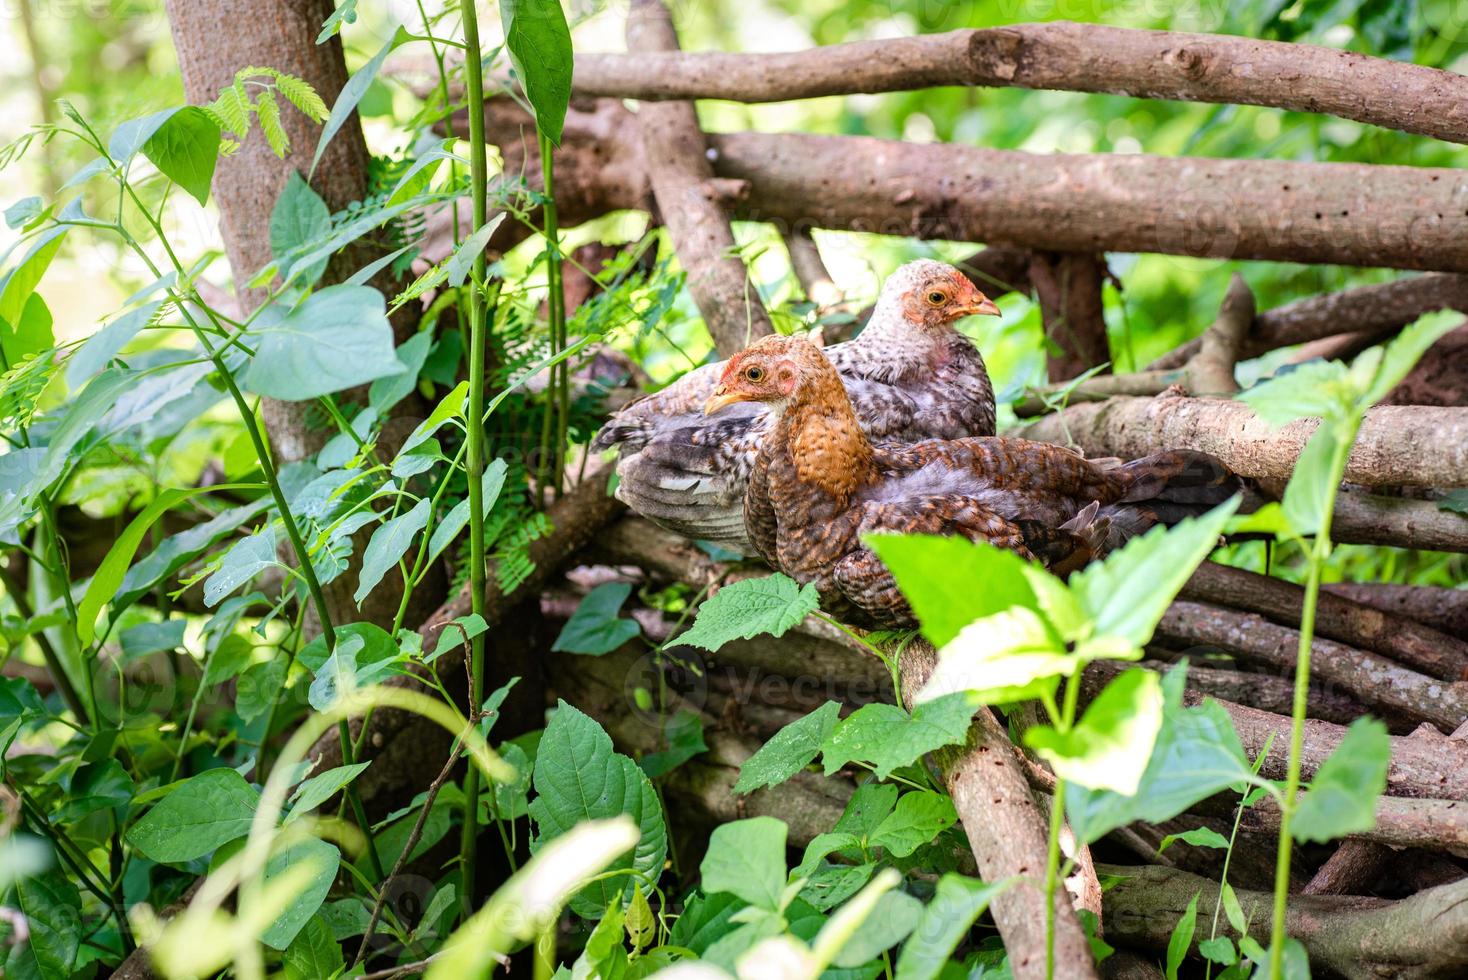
<point>474,417</point>
<point>559,388</point>
<point>1317,557</point>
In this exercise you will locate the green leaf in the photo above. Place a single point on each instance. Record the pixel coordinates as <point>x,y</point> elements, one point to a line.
<point>451,406</point>
<point>1110,746</point>
<point>31,335</point>
<point>387,392</point>
<point>315,953</point>
<point>19,699</point>
<point>259,687</point>
<point>749,608</point>
<point>1127,593</point>
<point>96,786</point>
<point>747,858</point>
<point>353,665</point>
<point>1315,389</point>
<point>1006,657</point>
<point>892,920</point>
<point>131,136</point>
<point>539,43</point>
<point>938,576</point>
<point>888,737</point>
<point>335,339</point>
<point>579,777</point>
<point>1197,754</point>
<point>462,260</point>
<point>1455,501</point>
<point>1343,794</point>
<point>344,14</point>
<point>228,660</point>
<point>641,927</point>
<point>17,285</point>
<point>790,750</point>
<point>1405,350</point>
<point>1181,939</point>
<point>100,348</point>
<point>322,787</point>
<point>351,94</point>
<point>684,735</point>
<point>456,632</point>
<point>323,860</point>
<point>1233,910</point>
<point>185,148</point>
<point>957,904</point>
<point>919,817</point>
<point>244,560</point>
<point>110,574</point>
<point>820,847</point>
<point>1312,485</point>
<point>299,218</point>
<point>203,813</point>
<point>454,521</point>
<point>23,212</point>
<point>1198,837</point>
<point>1219,949</point>
<point>389,544</point>
<point>53,914</point>
<point>595,628</point>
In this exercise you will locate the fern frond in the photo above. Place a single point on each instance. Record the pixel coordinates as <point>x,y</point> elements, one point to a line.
<point>21,387</point>
<point>302,96</point>
<point>231,110</point>
<point>269,112</point>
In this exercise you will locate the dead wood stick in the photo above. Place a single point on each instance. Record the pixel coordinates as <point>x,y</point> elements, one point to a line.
<point>1396,637</point>
<point>1399,522</point>
<point>1370,678</point>
<point>1068,287</point>
<point>810,269</point>
<point>1267,692</point>
<point>576,517</point>
<point>1007,832</point>
<point>1441,608</point>
<point>1370,309</point>
<point>1351,870</point>
<point>1067,56</point>
<point>689,201</point>
<point>1425,935</point>
<point>1397,445</point>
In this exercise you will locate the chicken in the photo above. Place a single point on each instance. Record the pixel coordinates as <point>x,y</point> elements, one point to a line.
<point>909,373</point>
<point>819,484</point>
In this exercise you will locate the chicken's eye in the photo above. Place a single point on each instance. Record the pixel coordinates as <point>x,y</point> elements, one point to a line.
<point>937,297</point>
<point>754,375</point>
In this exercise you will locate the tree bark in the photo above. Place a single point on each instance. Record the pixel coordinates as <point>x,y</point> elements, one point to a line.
<point>1441,608</point>
<point>690,201</point>
<point>1068,286</point>
<point>1397,445</point>
<point>1061,55</point>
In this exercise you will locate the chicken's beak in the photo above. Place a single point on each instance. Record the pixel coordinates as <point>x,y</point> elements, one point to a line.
<point>981,306</point>
<point>722,397</point>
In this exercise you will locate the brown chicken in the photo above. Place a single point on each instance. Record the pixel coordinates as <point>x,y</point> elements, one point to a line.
<point>909,373</point>
<point>818,484</point>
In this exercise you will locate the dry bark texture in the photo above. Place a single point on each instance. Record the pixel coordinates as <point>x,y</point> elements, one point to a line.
<point>1397,445</point>
<point>1062,55</point>
<point>689,201</point>
<point>1068,288</point>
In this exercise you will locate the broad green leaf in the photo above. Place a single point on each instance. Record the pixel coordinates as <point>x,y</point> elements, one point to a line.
<point>203,813</point>
<point>1343,794</point>
<point>684,735</point>
<point>539,43</point>
<point>100,348</point>
<point>603,955</point>
<point>351,93</point>
<point>1108,749</point>
<point>888,737</point>
<point>595,628</point>
<point>462,259</point>
<point>300,217</point>
<point>322,787</point>
<point>1405,350</point>
<point>951,581</point>
<point>345,13</point>
<point>377,646</point>
<point>315,953</point>
<point>353,666</point>
<point>415,179</point>
<point>579,777</point>
<point>891,921</point>
<point>228,660</point>
<point>957,904</point>
<point>31,335</point>
<point>335,339</point>
<point>1232,909</point>
<point>790,750</point>
<point>96,786</point>
<point>53,915</point>
<point>322,860</point>
<point>259,687</point>
<point>1197,754</point>
<point>1219,949</point>
<point>130,137</point>
<point>1181,939</point>
<point>23,212</point>
<point>389,544</point>
<point>1315,389</point>
<point>111,574</point>
<point>387,392</point>
<point>185,148</point>
<point>1127,593</point>
<point>641,927</point>
<point>747,858</point>
<point>705,920</point>
<point>1198,837</point>
<point>451,406</point>
<point>919,817</point>
<point>18,284</point>
<point>749,608</point>
<point>1312,485</point>
<point>866,809</point>
<point>19,699</point>
<point>183,547</point>
<point>1004,657</point>
<point>456,633</point>
<point>456,519</point>
<point>820,847</point>
<point>247,558</point>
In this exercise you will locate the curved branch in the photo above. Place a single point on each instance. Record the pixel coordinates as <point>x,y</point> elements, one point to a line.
<point>1061,55</point>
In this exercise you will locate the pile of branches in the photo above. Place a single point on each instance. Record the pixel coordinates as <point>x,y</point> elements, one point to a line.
<point>1391,901</point>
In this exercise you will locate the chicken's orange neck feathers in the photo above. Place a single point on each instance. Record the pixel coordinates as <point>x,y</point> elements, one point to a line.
<point>823,437</point>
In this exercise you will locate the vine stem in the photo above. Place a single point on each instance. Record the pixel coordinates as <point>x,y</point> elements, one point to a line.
<point>474,418</point>
<point>1318,554</point>
<point>560,386</point>
<point>1063,722</point>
